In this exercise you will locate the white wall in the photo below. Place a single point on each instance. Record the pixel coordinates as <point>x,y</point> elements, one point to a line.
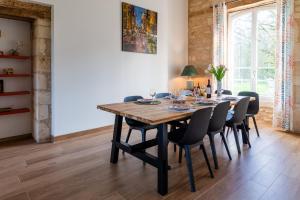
<point>177,42</point>
<point>89,67</point>
<point>11,32</point>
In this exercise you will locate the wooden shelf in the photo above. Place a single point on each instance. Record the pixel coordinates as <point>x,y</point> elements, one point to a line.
<point>14,75</point>
<point>14,93</point>
<point>15,111</point>
<point>15,57</point>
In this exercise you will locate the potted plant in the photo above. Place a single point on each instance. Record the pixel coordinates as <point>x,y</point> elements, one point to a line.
<point>218,72</point>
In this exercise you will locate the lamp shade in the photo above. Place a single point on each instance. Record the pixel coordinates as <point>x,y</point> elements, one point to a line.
<point>189,70</point>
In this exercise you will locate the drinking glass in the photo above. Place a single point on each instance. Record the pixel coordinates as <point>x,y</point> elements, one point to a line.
<point>152,93</point>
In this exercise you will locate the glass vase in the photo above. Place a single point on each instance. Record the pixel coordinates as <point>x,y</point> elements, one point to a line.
<point>219,88</point>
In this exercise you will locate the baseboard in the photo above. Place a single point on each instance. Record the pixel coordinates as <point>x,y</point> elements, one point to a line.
<point>98,131</point>
<point>15,138</point>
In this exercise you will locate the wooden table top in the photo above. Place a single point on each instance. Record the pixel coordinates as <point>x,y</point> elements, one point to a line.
<point>151,114</point>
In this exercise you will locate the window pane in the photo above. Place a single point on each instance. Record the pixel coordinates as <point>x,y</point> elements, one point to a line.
<point>245,74</point>
<point>241,51</point>
<point>266,46</point>
<point>266,38</point>
<point>244,85</point>
<point>265,88</point>
<point>266,74</point>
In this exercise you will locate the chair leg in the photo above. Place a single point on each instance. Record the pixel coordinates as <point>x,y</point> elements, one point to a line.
<point>213,150</point>
<point>190,167</point>
<point>254,121</point>
<point>173,128</point>
<point>128,136</point>
<point>180,154</point>
<point>236,137</point>
<point>247,129</point>
<point>207,161</point>
<point>247,136</point>
<point>228,129</point>
<point>226,146</point>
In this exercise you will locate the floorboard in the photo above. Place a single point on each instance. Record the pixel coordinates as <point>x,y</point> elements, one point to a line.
<point>79,168</point>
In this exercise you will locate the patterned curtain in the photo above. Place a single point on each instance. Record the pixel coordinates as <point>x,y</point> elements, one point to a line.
<point>220,33</point>
<point>220,37</point>
<point>283,101</point>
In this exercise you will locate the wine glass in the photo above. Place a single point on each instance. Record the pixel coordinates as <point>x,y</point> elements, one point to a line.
<point>152,93</point>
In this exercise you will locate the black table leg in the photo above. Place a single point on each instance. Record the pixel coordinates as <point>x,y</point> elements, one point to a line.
<point>116,138</point>
<point>162,176</point>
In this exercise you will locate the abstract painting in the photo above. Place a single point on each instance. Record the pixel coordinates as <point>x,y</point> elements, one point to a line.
<point>139,29</point>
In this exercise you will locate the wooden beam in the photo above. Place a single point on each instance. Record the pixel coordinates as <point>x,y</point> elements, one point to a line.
<point>21,9</point>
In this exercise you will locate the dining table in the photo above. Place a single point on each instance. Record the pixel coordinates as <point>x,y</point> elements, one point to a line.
<point>159,115</point>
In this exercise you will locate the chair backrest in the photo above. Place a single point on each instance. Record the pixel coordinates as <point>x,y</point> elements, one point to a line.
<point>197,127</point>
<point>162,95</point>
<point>130,99</point>
<point>240,110</point>
<point>253,107</point>
<point>218,118</point>
<point>226,92</point>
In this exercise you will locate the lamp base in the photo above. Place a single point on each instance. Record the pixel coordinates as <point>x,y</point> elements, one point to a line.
<point>190,85</point>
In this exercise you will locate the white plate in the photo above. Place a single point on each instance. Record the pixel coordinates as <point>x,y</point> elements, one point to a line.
<point>145,100</point>
<point>179,108</point>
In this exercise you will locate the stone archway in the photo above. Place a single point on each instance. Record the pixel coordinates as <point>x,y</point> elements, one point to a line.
<point>40,16</point>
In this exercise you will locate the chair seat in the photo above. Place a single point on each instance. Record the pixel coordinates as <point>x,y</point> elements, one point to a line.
<point>179,124</point>
<point>145,127</point>
<point>250,115</point>
<point>139,125</point>
<point>176,135</point>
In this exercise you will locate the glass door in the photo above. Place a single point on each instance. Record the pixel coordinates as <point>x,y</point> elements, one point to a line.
<point>251,51</point>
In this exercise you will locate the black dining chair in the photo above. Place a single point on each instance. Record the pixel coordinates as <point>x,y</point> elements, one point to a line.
<point>162,95</point>
<point>136,125</point>
<point>253,107</point>
<point>226,92</point>
<point>236,118</point>
<point>216,125</point>
<point>192,135</point>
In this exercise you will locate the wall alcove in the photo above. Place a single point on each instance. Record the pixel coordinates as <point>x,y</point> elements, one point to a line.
<point>40,17</point>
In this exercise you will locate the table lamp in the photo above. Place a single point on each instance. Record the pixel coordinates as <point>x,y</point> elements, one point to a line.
<point>189,71</point>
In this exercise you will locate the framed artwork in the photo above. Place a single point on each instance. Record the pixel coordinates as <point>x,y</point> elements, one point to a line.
<point>139,29</point>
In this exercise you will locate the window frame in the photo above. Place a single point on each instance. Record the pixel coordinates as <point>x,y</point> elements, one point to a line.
<point>254,61</point>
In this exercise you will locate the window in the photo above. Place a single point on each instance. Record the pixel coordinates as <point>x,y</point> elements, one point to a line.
<point>251,51</point>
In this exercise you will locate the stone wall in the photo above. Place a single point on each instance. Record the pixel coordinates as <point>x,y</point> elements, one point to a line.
<point>42,79</point>
<point>200,34</point>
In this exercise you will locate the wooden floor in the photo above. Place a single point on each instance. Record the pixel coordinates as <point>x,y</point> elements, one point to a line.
<point>80,169</point>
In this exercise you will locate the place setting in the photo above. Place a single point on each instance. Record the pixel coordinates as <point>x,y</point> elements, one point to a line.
<point>205,102</point>
<point>178,104</point>
<point>180,108</point>
<point>149,101</point>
